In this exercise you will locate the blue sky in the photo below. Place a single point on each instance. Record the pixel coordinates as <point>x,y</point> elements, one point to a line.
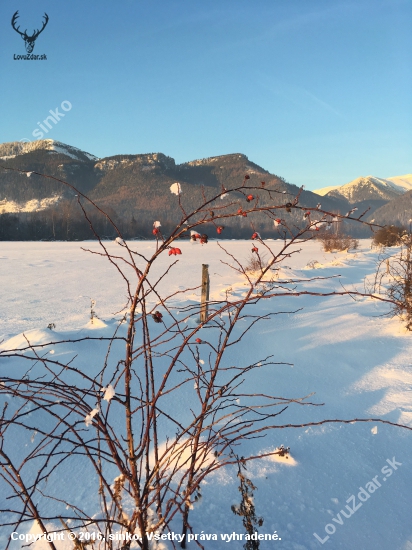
<point>316,91</point>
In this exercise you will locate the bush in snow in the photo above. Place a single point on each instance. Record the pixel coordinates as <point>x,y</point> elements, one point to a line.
<point>394,279</point>
<point>337,243</point>
<point>255,262</point>
<point>119,415</point>
<point>390,235</point>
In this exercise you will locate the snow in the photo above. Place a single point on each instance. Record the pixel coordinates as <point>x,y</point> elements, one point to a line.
<point>404,182</point>
<point>89,417</point>
<point>109,393</point>
<point>176,188</point>
<point>89,156</point>
<point>356,361</point>
<point>95,323</point>
<point>33,205</point>
<point>63,151</point>
<point>325,190</point>
<point>379,186</point>
<point>397,184</point>
<point>15,148</point>
<point>68,150</point>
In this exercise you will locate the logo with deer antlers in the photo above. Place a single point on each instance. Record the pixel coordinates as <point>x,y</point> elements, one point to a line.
<point>29,41</point>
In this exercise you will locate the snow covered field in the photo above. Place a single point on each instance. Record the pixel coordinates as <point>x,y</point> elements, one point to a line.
<point>357,363</point>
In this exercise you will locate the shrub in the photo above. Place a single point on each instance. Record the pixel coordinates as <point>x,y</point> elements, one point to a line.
<point>394,275</point>
<point>390,235</point>
<point>255,263</point>
<point>337,243</point>
<point>246,509</point>
<point>114,411</point>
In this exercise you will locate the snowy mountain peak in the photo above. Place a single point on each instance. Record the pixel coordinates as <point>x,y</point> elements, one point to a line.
<point>370,188</point>
<point>403,182</point>
<point>16,148</point>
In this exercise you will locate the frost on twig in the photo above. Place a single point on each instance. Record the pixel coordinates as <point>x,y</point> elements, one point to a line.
<point>176,188</point>
<point>109,393</point>
<point>89,418</point>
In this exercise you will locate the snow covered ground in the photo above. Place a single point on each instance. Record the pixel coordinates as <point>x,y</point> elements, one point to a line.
<point>357,363</point>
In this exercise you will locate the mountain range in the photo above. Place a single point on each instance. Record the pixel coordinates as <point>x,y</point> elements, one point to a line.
<point>135,190</point>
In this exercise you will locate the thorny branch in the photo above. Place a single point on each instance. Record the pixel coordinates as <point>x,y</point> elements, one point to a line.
<point>152,421</point>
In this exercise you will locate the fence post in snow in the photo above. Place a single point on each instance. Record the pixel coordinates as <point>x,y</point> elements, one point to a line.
<point>205,293</point>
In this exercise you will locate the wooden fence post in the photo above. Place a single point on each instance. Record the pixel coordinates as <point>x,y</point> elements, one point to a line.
<point>205,293</point>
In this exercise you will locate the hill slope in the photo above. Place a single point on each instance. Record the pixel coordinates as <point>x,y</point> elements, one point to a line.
<point>396,212</point>
<point>134,189</point>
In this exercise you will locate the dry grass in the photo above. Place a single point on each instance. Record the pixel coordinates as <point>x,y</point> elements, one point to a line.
<point>255,263</point>
<point>337,243</point>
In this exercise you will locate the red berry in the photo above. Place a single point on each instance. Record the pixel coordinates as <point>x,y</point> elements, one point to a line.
<point>198,340</point>
<point>219,229</point>
<point>157,317</point>
<point>254,236</point>
<point>249,198</point>
<point>278,220</point>
<point>317,228</point>
<point>177,251</point>
<point>254,249</point>
<point>244,214</point>
<point>240,211</point>
<point>247,177</point>
<point>170,251</point>
<point>155,231</point>
<point>262,183</point>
